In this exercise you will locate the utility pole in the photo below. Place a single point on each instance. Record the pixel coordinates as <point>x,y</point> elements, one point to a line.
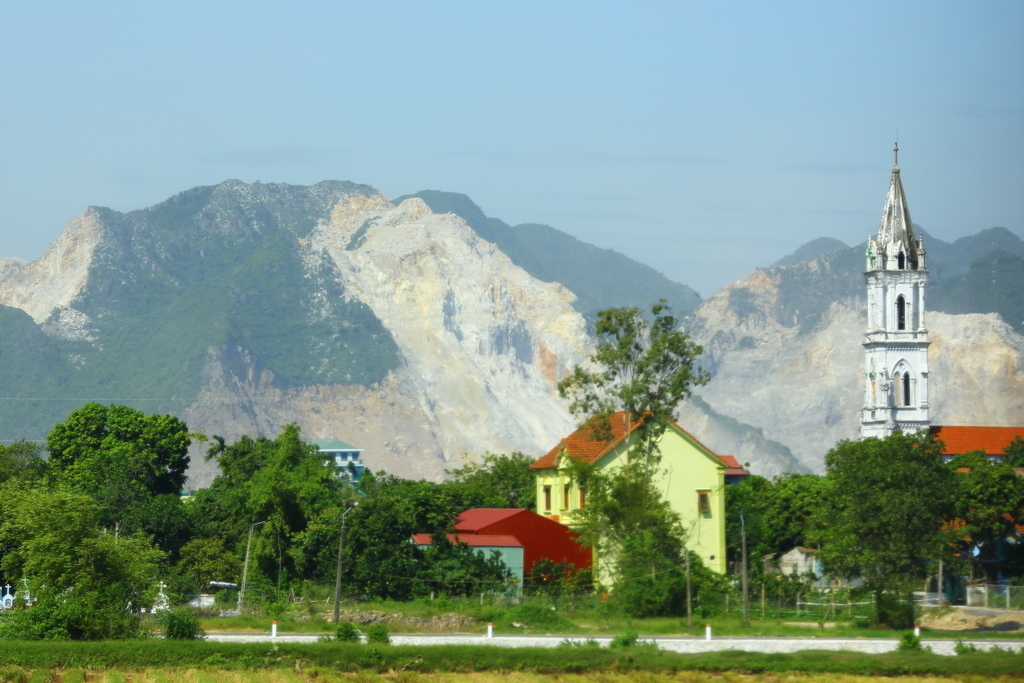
<point>746,603</point>
<point>245,569</point>
<point>341,545</point>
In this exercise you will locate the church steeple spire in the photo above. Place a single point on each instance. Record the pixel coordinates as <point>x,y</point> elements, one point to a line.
<point>896,341</point>
<point>896,247</point>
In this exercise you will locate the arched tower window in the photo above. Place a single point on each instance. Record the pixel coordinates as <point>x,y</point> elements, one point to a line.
<point>906,388</point>
<point>901,313</point>
<point>901,261</point>
<point>897,384</point>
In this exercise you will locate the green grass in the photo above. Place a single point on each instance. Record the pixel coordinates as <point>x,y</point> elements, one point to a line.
<point>76,658</point>
<point>591,618</point>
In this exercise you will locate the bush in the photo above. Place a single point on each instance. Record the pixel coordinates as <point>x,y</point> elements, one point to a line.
<point>911,643</point>
<point>181,624</point>
<point>630,640</point>
<point>378,633</point>
<point>346,633</point>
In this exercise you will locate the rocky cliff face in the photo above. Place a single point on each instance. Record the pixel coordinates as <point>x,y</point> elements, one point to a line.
<point>472,346</point>
<point>482,345</point>
<point>795,376</point>
<point>242,308</point>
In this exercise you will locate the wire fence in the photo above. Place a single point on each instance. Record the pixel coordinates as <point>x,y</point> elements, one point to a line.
<point>995,596</point>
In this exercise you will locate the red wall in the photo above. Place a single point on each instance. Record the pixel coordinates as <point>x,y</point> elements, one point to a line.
<point>542,538</point>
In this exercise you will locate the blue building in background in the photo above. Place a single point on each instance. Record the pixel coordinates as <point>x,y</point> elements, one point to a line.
<point>348,460</point>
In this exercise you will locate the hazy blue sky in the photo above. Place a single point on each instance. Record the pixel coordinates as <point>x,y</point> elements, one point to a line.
<point>703,139</point>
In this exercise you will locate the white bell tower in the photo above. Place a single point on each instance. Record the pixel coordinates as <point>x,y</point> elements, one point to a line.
<point>896,341</point>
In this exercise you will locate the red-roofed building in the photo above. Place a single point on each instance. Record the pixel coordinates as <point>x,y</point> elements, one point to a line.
<point>993,441</point>
<point>692,481</point>
<point>734,471</point>
<point>521,537</point>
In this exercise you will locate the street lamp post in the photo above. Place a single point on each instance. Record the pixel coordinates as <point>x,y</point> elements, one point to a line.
<point>245,568</point>
<point>337,578</point>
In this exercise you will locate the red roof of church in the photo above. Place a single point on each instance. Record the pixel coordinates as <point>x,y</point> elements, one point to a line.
<point>992,440</point>
<point>585,446</point>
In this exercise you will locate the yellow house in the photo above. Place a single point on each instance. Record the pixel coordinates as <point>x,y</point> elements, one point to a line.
<point>692,479</point>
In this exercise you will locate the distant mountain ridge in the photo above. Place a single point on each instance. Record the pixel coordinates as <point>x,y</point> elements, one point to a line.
<point>600,278</point>
<point>427,333</point>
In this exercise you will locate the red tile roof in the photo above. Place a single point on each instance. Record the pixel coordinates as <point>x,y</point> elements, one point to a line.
<point>488,541</point>
<point>475,519</point>
<point>732,466</point>
<point>584,444</point>
<point>992,440</point>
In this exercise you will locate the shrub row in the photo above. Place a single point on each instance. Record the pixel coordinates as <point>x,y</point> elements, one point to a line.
<point>354,657</point>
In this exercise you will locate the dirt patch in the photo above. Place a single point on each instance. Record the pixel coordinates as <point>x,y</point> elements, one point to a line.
<point>974,619</point>
<point>443,623</point>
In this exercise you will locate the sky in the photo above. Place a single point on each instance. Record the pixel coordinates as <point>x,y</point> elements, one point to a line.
<point>704,139</point>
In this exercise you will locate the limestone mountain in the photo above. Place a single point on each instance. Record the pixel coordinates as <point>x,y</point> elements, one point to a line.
<point>426,332</point>
<point>600,278</point>
<point>784,346</point>
<point>242,307</point>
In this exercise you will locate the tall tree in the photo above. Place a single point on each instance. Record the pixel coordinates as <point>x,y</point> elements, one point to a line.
<point>89,583</point>
<point>884,505</point>
<point>132,464</point>
<point>498,481</point>
<point>98,445</point>
<point>642,367</point>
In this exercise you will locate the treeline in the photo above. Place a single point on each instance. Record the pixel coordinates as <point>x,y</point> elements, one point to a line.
<point>890,512</point>
<point>94,529</point>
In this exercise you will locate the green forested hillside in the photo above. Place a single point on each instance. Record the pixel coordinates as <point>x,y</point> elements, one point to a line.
<point>982,273</point>
<point>214,267</point>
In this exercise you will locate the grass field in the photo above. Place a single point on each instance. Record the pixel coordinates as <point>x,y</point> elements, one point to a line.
<point>155,660</point>
<point>318,676</point>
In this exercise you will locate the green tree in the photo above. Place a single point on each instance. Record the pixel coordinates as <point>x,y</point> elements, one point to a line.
<point>884,504</point>
<point>100,446</point>
<point>1015,453</point>
<point>21,460</point>
<point>643,367</point>
<point>989,502</point>
<point>498,481</point>
<point>88,583</point>
<point>206,559</point>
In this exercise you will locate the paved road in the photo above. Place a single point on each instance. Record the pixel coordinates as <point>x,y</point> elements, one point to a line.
<point>941,646</point>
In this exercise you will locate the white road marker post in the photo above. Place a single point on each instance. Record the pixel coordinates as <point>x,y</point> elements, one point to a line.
<point>707,632</point>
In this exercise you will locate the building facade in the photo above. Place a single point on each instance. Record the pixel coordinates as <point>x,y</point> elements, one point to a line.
<point>691,478</point>
<point>896,340</point>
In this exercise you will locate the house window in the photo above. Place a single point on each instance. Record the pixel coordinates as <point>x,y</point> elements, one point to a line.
<point>547,498</point>
<point>703,502</point>
<point>566,487</point>
<point>583,497</point>
<point>901,313</point>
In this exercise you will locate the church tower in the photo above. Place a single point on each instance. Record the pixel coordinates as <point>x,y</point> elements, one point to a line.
<point>896,341</point>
